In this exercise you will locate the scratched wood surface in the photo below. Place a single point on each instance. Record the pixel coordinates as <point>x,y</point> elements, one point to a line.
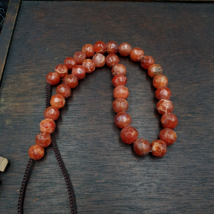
<point>107,176</point>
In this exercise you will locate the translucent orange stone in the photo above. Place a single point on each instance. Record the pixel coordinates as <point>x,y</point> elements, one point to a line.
<point>142,147</point>
<point>53,78</point>
<point>62,70</point>
<point>57,101</point>
<point>136,54</point>
<point>168,136</point>
<point>100,47</point>
<point>64,90</point>
<point>118,69</point>
<point>169,120</point>
<point>121,92</point>
<point>36,152</point>
<point>163,93</point>
<point>112,47</point>
<point>99,60</point>
<point>122,120</point>
<point>88,49</point>
<point>129,135</point>
<point>52,113</point>
<point>120,105</point>
<point>79,71</point>
<point>154,70</point>
<point>119,80</point>
<point>160,80</point>
<point>147,61</point>
<point>159,148</point>
<point>43,139</point>
<point>71,80</point>
<point>111,60</point>
<point>125,49</point>
<point>89,65</point>
<point>70,62</point>
<point>165,106</point>
<point>79,56</point>
<point>47,125</point>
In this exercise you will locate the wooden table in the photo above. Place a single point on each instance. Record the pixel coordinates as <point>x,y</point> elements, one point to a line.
<point>107,176</point>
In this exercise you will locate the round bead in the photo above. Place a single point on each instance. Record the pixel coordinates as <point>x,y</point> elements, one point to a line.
<point>111,60</point>
<point>70,62</point>
<point>64,90</point>
<point>168,136</point>
<point>136,54</point>
<point>36,152</point>
<point>89,65</point>
<point>47,125</point>
<point>57,101</point>
<point>160,80</point>
<point>53,78</point>
<point>112,47</point>
<point>71,80</point>
<point>129,135</point>
<point>61,70</point>
<point>43,139</point>
<point>142,147</point>
<point>119,80</point>
<point>154,70</point>
<point>120,105</point>
<point>118,69</point>
<point>121,92</point>
<point>147,61</point>
<point>122,120</point>
<point>163,93</point>
<point>79,56</point>
<point>159,148</point>
<point>100,47</point>
<point>165,106</point>
<point>52,113</point>
<point>79,71</point>
<point>99,60</point>
<point>88,50</point>
<point>125,49</point>
<point>169,120</point>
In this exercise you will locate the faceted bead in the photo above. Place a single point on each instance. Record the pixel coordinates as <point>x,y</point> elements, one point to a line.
<point>119,80</point>
<point>159,148</point>
<point>120,105</point>
<point>136,54</point>
<point>125,49</point>
<point>61,70</point>
<point>142,147</point>
<point>36,152</point>
<point>53,78</point>
<point>129,135</point>
<point>47,125</point>
<point>165,106</point>
<point>79,56</point>
<point>154,70</point>
<point>79,71</point>
<point>112,47</point>
<point>70,62</point>
<point>100,47</point>
<point>43,139</point>
<point>163,93</point>
<point>99,60</point>
<point>160,80</point>
<point>64,90</point>
<point>169,120</point>
<point>118,69</point>
<point>89,65</point>
<point>57,101</point>
<point>147,61</point>
<point>168,136</point>
<point>71,80</point>
<point>88,49</point>
<point>52,113</point>
<point>121,92</point>
<point>122,120</point>
<point>111,60</point>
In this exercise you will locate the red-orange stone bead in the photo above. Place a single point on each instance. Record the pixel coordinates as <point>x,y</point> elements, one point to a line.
<point>169,120</point>
<point>120,105</point>
<point>121,92</point>
<point>79,71</point>
<point>165,106</point>
<point>160,80</point>
<point>136,54</point>
<point>168,136</point>
<point>142,147</point>
<point>53,78</point>
<point>112,47</point>
<point>118,69</point>
<point>111,60</point>
<point>99,60</point>
<point>119,80</point>
<point>100,47</point>
<point>62,70</point>
<point>159,148</point>
<point>147,61</point>
<point>52,113</point>
<point>43,139</point>
<point>154,70</point>
<point>129,135</point>
<point>88,49</point>
<point>89,65</point>
<point>163,93</point>
<point>57,101</point>
<point>36,152</point>
<point>122,120</point>
<point>64,90</point>
<point>70,62</point>
<point>71,80</point>
<point>47,125</point>
<point>125,49</point>
<point>79,56</point>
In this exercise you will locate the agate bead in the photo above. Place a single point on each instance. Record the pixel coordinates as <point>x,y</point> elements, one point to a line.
<point>125,49</point>
<point>71,80</point>
<point>64,90</point>
<point>168,136</point>
<point>100,47</point>
<point>159,148</point>
<point>112,47</point>
<point>121,92</point>
<point>70,62</point>
<point>118,69</point>
<point>53,78</point>
<point>169,120</point>
<point>142,147</point>
<point>88,50</point>
<point>36,152</point>
<point>163,93</point>
<point>119,80</point>
<point>47,125</point>
<point>160,80</point>
<point>165,106</point>
<point>89,65</point>
<point>136,54</point>
<point>120,105</point>
<point>79,56</point>
<point>154,70</point>
<point>79,71</point>
<point>43,139</point>
<point>147,61</point>
<point>99,60</point>
<point>122,120</point>
<point>129,135</point>
<point>62,70</point>
<point>111,60</point>
<point>57,101</point>
<point>52,113</point>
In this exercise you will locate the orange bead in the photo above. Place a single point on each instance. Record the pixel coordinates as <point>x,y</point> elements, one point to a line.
<point>71,80</point>
<point>79,71</point>
<point>118,69</point>
<point>47,125</point>
<point>142,147</point>
<point>168,136</point>
<point>120,105</point>
<point>154,70</point>
<point>100,47</point>
<point>70,62</point>
<point>163,93</point>
<point>43,139</point>
<point>112,47</point>
<point>165,106</point>
<point>57,101</point>
<point>125,49</point>
<point>79,56</point>
<point>61,70</point>
<point>64,90</point>
<point>122,120</point>
<point>52,113</point>
<point>129,135</point>
<point>88,49</point>
<point>119,80</point>
<point>111,60</point>
<point>159,148</point>
<point>36,152</point>
<point>99,60</point>
<point>169,120</point>
<point>89,65</point>
<point>53,78</point>
<point>121,92</point>
<point>136,54</point>
<point>160,80</point>
<point>147,61</point>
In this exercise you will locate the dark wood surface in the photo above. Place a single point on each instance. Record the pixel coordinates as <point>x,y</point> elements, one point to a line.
<point>107,176</point>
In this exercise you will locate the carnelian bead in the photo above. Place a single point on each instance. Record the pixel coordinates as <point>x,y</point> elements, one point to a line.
<point>52,113</point>
<point>163,93</point>
<point>79,71</point>
<point>121,92</point>
<point>64,90</point>
<point>169,120</point>
<point>160,80</point>
<point>120,105</point>
<point>89,65</point>
<point>159,148</point>
<point>122,120</point>
<point>136,54</point>
<point>36,152</point>
<point>53,78</point>
<point>57,101</point>
<point>43,139</point>
<point>99,60</point>
<point>62,70</point>
<point>129,135</point>
<point>147,61</point>
<point>165,106</point>
<point>112,47</point>
<point>70,62</point>
<point>71,80</point>
<point>47,125</point>
<point>154,70</point>
<point>168,136</point>
<point>118,69</point>
<point>119,80</point>
<point>142,147</point>
<point>111,60</point>
<point>79,56</point>
<point>125,49</point>
<point>88,49</point>
<point>100,47</point>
